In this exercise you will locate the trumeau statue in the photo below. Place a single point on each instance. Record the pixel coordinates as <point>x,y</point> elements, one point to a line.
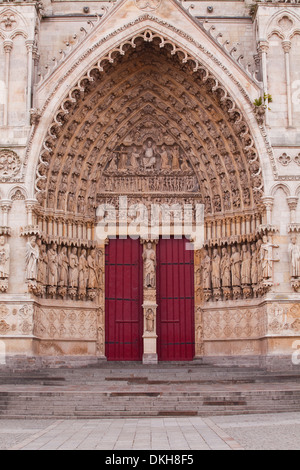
<point>32,257</point>
<point>149,258</point>
<point>150,320</point>
<point>294,252</point>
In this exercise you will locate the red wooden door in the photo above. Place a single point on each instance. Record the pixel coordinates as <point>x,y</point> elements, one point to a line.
<point>175,295</point>
<point>123,300</point>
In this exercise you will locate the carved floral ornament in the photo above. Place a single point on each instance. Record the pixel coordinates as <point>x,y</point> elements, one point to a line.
<point>97,129</point>
<point>285,159</point>
<point>10,164</point>
<point>148,5</point>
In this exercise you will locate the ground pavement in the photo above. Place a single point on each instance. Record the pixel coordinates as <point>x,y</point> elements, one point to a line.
<point>254,432</point>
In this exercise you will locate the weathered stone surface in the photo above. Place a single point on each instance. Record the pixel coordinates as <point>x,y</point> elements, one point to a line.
<point>150,101</point>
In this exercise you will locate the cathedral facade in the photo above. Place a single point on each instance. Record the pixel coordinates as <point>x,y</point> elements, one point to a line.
<point>124,125</point>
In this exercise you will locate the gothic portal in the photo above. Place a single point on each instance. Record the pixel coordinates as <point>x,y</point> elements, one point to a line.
<point>149,108</point>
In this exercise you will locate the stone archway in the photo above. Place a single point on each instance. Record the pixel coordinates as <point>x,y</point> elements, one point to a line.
<point>150,127</point>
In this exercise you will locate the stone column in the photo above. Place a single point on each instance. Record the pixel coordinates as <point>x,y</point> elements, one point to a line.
<point>5,206</point>
<point>286,45</point>
<point>199,346</point>
<point>8,45</point>
<point>100,346</point>
<point>149,302</point>
<point>268,202</point>
<point>263,48</point>
<point>292,202</point>
<point>30,204</point>
<point>29,45</point>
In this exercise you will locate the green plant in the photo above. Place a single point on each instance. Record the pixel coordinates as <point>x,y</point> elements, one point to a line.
<point>263,101</point>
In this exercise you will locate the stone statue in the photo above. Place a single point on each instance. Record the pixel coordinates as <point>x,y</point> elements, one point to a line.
<point>246,266</point>
<point>216,270</point>
<point>52,267</point>
<point>123,159</point>
<point>93,282</point>
<point>73,269</point>
<point>266,257</point>
<point>254,267</point>
<point>206,271</point>
<point>235,267</point>
<point>149,257</point>
<point>63,264</point>
<point>83,272</point>
<point>42,265</point>
<point>32,257</point>
<point>259,263</point>
<point>134,158</point>
<point>150,320</point>
<point>175,159</point>
<point>149,158</point>
<point>164,159</point>
<point>225,268</point>
<point>4,258</point>
<point>294,252</point>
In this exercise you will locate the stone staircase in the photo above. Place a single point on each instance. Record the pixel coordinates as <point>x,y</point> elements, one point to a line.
<point>127,390</point>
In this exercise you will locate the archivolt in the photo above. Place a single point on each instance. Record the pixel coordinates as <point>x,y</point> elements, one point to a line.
<point>119,93</point>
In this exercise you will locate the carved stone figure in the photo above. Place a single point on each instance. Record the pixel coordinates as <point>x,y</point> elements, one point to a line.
<point>93,282</point>
<point>42,265</point>
<point>134,158</point>
<point>150,319</point>
<point>246,266</point>
<point>83,273</point>
<point>235,267</point>
<point>4,258</point>
<point>164,159</point>
<point>216,270</point>
<point>149,257</point>
<point>52,266</point>
<point>149,158</point>
<point>175,159</point>
<point>123,159</point>
<point>63,264</point>
<point>206,271</point>
<point>225,268</point>
<point>73,269</point>
<point>254,267</point>
<point>32,257</point>
<point>294,252</point>
<point>266,256</point>
<point>259,262</point>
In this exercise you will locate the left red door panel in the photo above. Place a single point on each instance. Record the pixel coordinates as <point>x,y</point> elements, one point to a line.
<point>123,300</point>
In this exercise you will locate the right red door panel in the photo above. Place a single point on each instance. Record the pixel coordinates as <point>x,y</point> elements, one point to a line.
<point>175,298</point>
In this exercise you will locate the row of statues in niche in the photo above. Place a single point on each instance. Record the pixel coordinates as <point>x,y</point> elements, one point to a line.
<point>151,157</point>
<point>240,271</point>
<point>64,271</point>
